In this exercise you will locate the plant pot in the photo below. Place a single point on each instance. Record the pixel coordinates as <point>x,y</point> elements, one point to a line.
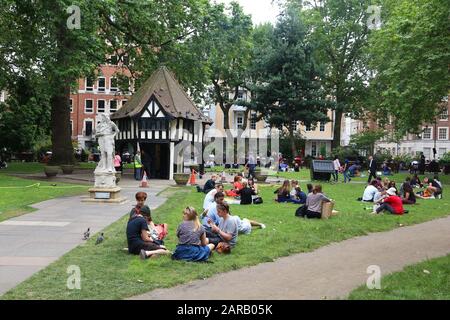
<point>181,178</point>
<point>51,171</point>
<point>260,176</point>
<point>67,168</point>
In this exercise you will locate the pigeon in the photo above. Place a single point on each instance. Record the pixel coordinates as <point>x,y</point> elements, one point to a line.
<point>100,239</point>
<point>87,234</point>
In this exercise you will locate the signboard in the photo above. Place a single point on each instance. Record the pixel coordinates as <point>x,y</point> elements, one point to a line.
<point>103,195</point>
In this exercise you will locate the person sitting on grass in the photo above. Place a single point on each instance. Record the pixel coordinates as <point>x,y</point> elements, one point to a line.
<point>415,181</point>
<point>228,228</point>
<point>209,198</point>
<point>246,193</point>
<point>386,182</point>
<point>209,185</point>
<point>392,185</point>
<point>314,203</point>
<point>245,225</point>
<point>252,185</point>
<point>138,238</point>
<point>237,185</point>
<point>392,204</point>
<point>296,193</point>
<point>211,214</point>
<point>192,242</point>
<point>284,193</point>
<point>408,196</point>
<point>433,187</point>
<point>141,197</point>
<point>370,191</point>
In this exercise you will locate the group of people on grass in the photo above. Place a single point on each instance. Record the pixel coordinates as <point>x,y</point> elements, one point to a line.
<point>198,235</point>
<point>387,197</point>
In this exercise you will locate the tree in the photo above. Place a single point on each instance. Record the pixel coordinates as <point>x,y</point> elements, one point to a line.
<point>366,140</point>
<point>410,56</point>
<point>340,29</point>
<point>287,78</point>
<point>43,43</point>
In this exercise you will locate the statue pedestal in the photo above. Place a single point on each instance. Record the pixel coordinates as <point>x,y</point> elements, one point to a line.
<point>105,189</point>
<point>105,195</point>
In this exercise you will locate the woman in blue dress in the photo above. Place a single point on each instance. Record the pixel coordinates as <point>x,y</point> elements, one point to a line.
<point>192,242</point>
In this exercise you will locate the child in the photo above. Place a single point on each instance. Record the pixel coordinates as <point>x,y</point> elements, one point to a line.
<point>141,197</point>
<point>192,242</point>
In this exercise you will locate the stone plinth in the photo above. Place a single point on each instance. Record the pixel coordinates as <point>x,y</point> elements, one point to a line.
<point>105,195</point>
<point>105,180</point>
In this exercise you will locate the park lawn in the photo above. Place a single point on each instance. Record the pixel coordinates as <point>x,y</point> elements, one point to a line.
<point>16,195</point>
<point>108,272</point>
<point>412,283</point>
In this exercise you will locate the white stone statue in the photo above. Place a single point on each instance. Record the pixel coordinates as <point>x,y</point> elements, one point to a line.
<point>105,171</point>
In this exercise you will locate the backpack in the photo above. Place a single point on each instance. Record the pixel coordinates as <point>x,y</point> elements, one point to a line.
<point>257,200</point>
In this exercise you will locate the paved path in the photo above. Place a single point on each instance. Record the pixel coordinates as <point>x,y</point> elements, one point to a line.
<point>31,242</point>
<point>330,272</point>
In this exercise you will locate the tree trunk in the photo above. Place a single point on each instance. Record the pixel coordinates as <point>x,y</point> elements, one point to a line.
<point>226,117</point>
<point>293,146</point>
<point>337,128</point>
<point>60,122</point>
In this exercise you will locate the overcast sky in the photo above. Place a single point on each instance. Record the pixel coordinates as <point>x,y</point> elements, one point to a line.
<point>260,10</point>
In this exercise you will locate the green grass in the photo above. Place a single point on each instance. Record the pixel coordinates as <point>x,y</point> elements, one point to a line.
<point>16,195</point>
<point>412,283</point>
<point>110,273</point>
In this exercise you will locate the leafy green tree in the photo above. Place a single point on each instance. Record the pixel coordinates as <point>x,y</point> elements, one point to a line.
<point>366,140</point>
<point>40,42</point>
<point>287,78</point>
<point>410,55</point>
<point>340,29</point>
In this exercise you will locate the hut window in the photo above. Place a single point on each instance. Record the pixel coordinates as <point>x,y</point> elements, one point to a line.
<point>153,124</point>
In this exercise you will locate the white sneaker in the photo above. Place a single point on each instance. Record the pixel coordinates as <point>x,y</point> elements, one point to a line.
<point>263,226</point>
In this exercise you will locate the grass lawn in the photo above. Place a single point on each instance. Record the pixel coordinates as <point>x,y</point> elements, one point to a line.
<point>17,194</point>
<point>429,280</point>
<point>110,273</point>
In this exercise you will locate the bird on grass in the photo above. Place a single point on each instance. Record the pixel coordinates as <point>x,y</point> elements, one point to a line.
<point>87,234</point>
<point>100,239</point>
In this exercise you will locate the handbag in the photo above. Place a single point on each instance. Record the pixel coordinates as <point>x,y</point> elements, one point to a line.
<point>257,200</point>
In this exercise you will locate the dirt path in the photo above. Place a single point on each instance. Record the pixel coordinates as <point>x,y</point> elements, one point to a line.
<point>330,272</point>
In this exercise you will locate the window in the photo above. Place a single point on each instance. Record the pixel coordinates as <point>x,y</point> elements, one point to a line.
<point>89,84</point>
<point>124,102</point>
<point>427,133</point>
<point>88,128</point>
<point>322,126</point>
<point>113,86</point>
<point>101,106</point>
<point>88,106</point>
<point>444,115</point>
<point>112,106</point>
<point>441,152</point>
<point>153,124</point>
<point>443,134</point>
<point>101,84</point>
<point>71,128</point>
<point>71,105</point>
<point>294,125</point>
<point>114,60</point>
<point>253,121</point>
<point>239,121</point>
<point>427,153</point>
<point>308,127</point>
<point>240,95</point>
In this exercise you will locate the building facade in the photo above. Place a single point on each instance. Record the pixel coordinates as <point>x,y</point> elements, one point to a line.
<point>434,136</point>
<point>96,96</point>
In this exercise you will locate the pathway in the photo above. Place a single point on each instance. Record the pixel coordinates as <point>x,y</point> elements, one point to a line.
<point>31,242</point>
<point>330,272</point>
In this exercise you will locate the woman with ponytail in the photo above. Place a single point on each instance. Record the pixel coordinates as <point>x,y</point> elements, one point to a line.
<point>192,242</point>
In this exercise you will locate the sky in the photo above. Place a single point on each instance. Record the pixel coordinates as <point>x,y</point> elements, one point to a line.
<point>260,10</point>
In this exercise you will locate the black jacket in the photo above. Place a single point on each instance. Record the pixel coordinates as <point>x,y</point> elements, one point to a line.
<point>373,167</point>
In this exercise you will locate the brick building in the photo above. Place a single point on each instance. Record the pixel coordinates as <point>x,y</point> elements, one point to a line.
<point>95,96</point>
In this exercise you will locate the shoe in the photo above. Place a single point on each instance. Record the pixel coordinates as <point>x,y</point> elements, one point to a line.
<point>143,254</point>
<point>263,226</point>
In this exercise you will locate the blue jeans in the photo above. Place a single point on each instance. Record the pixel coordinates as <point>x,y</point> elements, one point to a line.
<point>346,176</point>
<point>137,173</point>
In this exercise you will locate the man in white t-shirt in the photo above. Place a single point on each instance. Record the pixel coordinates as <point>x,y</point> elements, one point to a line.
<point>209,198</point>
<point>337,167</point>
<point>370,191</point>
